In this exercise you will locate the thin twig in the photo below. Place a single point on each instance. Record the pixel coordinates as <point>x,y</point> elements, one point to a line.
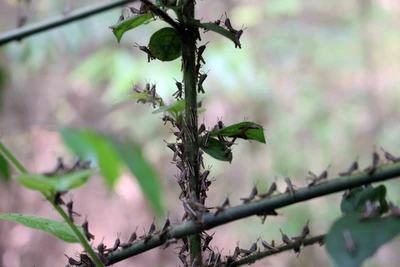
<point>20,33</point>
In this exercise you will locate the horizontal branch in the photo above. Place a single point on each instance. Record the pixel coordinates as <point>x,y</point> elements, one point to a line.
<point>20,33</point>
<point>260,255</point>
<point>383,173</point>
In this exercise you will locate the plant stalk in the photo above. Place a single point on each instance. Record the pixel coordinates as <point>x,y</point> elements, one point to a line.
<point>189,50</point>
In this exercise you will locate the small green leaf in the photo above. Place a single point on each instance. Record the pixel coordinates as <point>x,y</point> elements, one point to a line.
<point>36,182</point>
<point>174,108</point>
<point>216,149</point>
<point>218,29</point>
<point>121,27</point>
<point>91,145</point>
<point>359,196</point>
<point>144,172</point>
<point>127,97</point>
<point>367,236</point>
<point>59,229</point>
<point>165,44</point>
<point>5,170</point>
<point>57,183</point>
<point>245,130</point>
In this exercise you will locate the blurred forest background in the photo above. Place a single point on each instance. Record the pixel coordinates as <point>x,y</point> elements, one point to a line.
<point>322,77</point>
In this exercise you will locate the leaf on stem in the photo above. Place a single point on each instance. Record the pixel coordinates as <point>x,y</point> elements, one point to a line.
<point>126,25</point>
<point>173,108</point>
<point>246,130</point>
<point>165,44</point>
<point>5,170</point>
<point>351,241</point>
<point>59,229</point>
<point>355,202</point>
<point>216,149</point>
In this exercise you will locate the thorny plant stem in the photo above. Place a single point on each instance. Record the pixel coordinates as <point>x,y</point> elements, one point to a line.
<point>20,33</point>
<point>258,256</point>
<point>78,234</point>
<point>383,173</point>
<point>192,146</point>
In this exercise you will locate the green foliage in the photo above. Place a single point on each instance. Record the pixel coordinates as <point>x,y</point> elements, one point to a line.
<point>5,170</point>
<point>355,202</point>
<point>57,183</point>
<point>245,130</point>
<point>126,25</point>
<point>165,44</point>
<point>351,241</point>
<point>59,229</point>
<point>110,154</point>
<point>216,149</point>
<point>174,108</point>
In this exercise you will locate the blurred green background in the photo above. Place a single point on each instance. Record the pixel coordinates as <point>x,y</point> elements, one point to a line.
<point>321,77</point>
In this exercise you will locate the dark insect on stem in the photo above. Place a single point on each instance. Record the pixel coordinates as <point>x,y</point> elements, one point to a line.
<point>147,51</point>
<point>57,198</point>
<point>220,208</point>
<point>116,243</point>
<point>202,78</point>
<point>165,228</point>
<point>252,195</point>
<point>349,242</point>
<point>315,179</point>
<point>210,258</point>
<point>217,22</point>
<point>59,167</point>
<point>264,215</point>
<point>73,261</point>
<point>285,238</point>
<point>193,115</point>
<point>290,187</point>
<point>248,252</point>
<point>236,252</point>
<point>133,9</point>
<point>86,260</point>
<point>390,157</point>
<point>353,167</point>
<point>268,246</point>
<point>70,211</point>
<point>169,242</point>
<point>85,226</point>
<point>304,233</point>
<point>206,139</point>
<point>167,118</point>
<point>375,162</point>
<point>101,247</point>
<point>178,94</point>
<point>207,241</point>
<point>182,257</point>
<point>270,191</point>
<point>132,237</point>
<point>202,128</point>
<point>200,52</point>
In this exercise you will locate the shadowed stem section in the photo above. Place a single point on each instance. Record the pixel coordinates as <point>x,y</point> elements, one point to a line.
<point>20,33</point>
<point>383,173</point>
<point>73,227</point>
<point>191,134</point>
<point>259,256</point>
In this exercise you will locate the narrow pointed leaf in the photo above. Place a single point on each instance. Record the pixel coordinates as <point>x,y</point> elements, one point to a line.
<point>165,44</point>
<point>216,28</point>
<point>59,229</point>
<point>90,145</point>
<point>56,183</point>
<point>244,130</point>
<point>174,108</point>
<point>5,170</point>
<point>126,25</point>
<point>351,241</point>
<point>216,149</point>
<point>144,172</point>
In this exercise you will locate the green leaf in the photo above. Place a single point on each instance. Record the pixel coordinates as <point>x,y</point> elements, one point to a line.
<point>174,108</point>
<point>359,196</point>
<point>216,149</point>
<point>216,28</point>
<point>59,229</point>
<point>121,27</point>
<point>132,96</point>
<point>144,172</point>
<point>5,170</point>
<point>367,237</point>
<point>165,44</point>
<point>91,145</point>
<point>243,130</point>
<point>57,183</point>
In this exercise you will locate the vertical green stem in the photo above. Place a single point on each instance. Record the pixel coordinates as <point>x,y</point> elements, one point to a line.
<point>80,236</point>
<point>191,137</point>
